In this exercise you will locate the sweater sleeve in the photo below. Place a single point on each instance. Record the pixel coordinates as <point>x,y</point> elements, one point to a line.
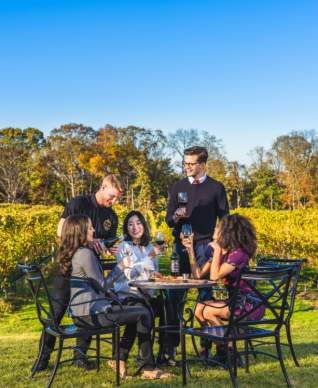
<point>172,206</point>
<point>90,265</point>
<point>222,203</point>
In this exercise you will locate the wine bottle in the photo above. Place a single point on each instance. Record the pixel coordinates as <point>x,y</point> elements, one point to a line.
<point>174,263</point>
<point>109,242</point>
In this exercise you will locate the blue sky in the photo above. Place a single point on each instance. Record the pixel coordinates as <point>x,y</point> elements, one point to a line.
<point>244,70</point>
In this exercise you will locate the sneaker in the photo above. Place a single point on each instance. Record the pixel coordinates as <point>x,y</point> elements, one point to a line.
<point>84,363</point>
<point>167,357</point>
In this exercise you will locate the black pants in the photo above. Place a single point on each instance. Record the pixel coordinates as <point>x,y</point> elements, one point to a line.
<point>137,319</point>
<point>60,296</point>
<point>157,310</point>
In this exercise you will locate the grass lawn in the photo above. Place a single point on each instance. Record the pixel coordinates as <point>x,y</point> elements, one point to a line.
<point>20,332</point>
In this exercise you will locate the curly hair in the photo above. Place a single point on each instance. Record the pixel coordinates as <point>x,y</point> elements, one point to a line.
<point>74,236</point>
<point>235,231</point>
<point>145,238</point>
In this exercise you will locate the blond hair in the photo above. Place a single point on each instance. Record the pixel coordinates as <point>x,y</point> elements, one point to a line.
<point>114,180</point>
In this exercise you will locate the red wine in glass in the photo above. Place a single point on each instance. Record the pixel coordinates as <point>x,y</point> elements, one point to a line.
<point>183,199</point>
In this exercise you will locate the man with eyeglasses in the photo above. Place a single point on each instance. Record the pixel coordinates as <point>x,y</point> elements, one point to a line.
<point>207,202</point>
<point>98,207</point>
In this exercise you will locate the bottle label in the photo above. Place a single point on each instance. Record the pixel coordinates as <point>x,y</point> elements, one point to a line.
<point>174,266</point>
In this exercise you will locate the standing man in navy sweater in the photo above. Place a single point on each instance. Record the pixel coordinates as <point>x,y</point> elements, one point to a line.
<point>207,202</point>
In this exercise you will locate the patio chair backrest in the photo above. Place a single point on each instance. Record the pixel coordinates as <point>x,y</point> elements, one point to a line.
<point>268,291</point>
<point>265,262</point>
<point>41,295</point>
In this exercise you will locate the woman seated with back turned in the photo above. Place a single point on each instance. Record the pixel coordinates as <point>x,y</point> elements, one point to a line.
<point>234,244</point>
<point>89,307</point>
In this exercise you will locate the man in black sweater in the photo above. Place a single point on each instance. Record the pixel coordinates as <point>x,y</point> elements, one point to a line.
<point>207,202</point>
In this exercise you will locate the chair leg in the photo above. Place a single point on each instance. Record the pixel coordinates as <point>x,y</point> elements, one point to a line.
<point>250,344</point>
<point>57,362</point>
<point>229,363</point>
<point>280,357</point>
<point>114,344</point>
<point>97,352</point>
<point>246,356</point>
<point>290,343</point>
<point>235,358</point>
<point>117,339</point>
<point>184,358</point>
<point>37,361</point>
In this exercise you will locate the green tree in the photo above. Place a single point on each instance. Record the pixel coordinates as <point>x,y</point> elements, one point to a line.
<point>17,149</point>
<point>63,154</point>
<point>296,157</point>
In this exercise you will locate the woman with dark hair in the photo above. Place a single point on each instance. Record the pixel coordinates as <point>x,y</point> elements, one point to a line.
<point>142,260</point>
<point>233,245</point>
<point>89,306</point>
<point>139,253</point>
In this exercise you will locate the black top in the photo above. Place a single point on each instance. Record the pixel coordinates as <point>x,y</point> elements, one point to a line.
<point>104,219</point>
<point>207,201</point>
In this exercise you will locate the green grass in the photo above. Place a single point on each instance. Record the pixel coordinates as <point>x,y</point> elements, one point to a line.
<point>20,332</point>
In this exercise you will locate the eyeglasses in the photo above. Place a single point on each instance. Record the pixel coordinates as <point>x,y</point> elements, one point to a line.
<point>185,164</point>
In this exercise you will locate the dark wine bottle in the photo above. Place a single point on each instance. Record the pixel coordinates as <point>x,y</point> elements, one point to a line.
<point>175,263</point>
<point>111,241</point>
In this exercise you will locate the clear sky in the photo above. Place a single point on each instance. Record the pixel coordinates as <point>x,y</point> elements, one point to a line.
<point>244,70</point>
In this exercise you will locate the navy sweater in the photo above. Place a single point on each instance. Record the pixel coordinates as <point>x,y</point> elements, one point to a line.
<point>206,203</point>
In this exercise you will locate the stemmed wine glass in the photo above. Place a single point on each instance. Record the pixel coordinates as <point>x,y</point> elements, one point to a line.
<point>186,231</point>
<point>183,199</point>
<point>160,240</point>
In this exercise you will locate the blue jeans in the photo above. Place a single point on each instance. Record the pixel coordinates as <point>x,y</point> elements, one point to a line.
<point>174,297</point>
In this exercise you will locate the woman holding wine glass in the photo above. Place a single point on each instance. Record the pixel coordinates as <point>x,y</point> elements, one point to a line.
<point>142,259</point>
<point>141,254</point>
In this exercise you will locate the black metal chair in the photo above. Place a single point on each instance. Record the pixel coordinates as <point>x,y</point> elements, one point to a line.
<point>265,262</point>
<point>47,318</point>
<point>241,327</point>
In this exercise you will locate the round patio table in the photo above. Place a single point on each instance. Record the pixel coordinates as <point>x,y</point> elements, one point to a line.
<point>171,284</point>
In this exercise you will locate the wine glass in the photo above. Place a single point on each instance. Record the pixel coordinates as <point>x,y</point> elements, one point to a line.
<point>186,231</point>
<point>183,199</point>
<point>160,240</point>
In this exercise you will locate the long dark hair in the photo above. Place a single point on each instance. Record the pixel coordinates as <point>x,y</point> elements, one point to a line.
<point>236,231</point>
<point>73,236</point>
<point>145,238</point>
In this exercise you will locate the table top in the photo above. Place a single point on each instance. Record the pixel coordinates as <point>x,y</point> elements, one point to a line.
<point>163,284</point>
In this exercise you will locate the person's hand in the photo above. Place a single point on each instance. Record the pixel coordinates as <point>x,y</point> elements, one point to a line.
<point>179,213</point>
<point>157,249</point>
<point>114,250</point>
<point>215,246</point>
<point>125,263</point>
<point>157,275</point>
<point>187,242</point>
<point>97,246</point>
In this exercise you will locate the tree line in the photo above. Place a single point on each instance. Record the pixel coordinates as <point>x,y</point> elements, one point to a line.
<point>73,158</point>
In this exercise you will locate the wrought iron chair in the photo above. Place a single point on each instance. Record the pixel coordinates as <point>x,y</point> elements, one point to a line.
<point>240,327</point>
<point>265,263</point>
<point>47,318</point>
